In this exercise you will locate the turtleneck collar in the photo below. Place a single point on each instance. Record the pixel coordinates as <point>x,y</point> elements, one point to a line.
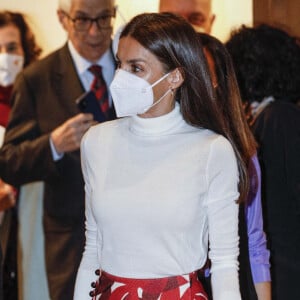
<point>164,124</point>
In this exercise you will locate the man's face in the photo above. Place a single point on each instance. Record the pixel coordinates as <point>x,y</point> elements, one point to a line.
<point>91,43</point>
<point>196,12</point>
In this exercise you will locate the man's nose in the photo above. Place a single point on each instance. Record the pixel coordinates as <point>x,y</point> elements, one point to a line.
<point>94,29</point>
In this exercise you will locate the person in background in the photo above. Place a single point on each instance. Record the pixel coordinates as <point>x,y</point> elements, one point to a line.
<point>197,12</point>
<point>266,61</point>
<point>151,211</point>
<point>253,249</point>
<point>17,50</point>
<point>45,129</point>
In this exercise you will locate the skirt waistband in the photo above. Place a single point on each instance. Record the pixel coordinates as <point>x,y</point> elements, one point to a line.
<point>185,277</point>
<point>182,287</point>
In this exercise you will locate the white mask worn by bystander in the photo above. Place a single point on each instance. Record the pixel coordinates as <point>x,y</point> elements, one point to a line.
<point>10,66</point>
<point>133,95</point>
<point>198,28</point>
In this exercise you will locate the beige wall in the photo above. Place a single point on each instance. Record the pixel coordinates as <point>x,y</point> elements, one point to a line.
<point>41,15</point>
<point>50,35</point>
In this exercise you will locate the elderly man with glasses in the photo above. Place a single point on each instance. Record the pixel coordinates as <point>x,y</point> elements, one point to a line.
<point>45,130</point>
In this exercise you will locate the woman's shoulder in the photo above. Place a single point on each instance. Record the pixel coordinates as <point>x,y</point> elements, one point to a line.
<point>213,144</point>
<point>215,139</point>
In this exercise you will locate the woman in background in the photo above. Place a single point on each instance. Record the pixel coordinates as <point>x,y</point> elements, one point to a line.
<point>17,50</point>
<point>254,255</point>
<point>266,61</point>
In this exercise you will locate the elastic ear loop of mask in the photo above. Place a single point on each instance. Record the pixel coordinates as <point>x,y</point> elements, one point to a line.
<point>163,96</point>
<point>159,100</point>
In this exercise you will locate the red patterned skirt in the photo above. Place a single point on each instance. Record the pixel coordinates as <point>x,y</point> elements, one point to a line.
<point>184,287</point>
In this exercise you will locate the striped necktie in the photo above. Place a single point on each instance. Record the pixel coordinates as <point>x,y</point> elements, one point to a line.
<point>99,87</point>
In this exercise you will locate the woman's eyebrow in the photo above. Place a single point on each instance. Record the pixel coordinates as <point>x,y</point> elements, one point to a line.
<point>135,60</point>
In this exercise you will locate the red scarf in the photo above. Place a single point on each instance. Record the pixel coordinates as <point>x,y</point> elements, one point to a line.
<point>5,93</point>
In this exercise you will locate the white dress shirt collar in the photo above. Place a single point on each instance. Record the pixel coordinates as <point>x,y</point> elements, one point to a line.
<point>81,64</point>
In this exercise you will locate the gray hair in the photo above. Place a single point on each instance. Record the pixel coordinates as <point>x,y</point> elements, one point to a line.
<point>64,5</point>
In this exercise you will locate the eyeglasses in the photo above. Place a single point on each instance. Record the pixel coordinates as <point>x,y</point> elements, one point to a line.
<point>85,23</point>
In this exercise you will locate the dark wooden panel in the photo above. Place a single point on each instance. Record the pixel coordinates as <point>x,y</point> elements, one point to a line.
<point>284,14</point>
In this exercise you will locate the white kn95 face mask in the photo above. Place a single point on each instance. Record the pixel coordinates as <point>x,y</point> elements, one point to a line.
<point>10,66</point>
<point>133,95</point>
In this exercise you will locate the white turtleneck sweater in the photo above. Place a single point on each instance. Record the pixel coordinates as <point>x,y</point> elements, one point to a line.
<point>156,189</point>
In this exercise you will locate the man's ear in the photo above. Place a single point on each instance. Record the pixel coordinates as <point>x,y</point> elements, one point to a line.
<point>175,79</point>
<point>211,22</point>
<point>62,18</point>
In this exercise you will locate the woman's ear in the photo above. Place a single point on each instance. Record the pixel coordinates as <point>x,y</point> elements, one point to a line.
<point>175,79</point>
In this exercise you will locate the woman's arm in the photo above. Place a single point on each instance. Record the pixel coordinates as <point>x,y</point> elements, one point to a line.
<point>89,263</point>
<point>258,253</point>
<point>263,290</point>
<point>222,211</point>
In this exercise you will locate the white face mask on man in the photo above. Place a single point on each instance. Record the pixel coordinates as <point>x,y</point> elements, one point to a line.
<point>133,95</point>
<point>199,29</point>
<point>10,66</point>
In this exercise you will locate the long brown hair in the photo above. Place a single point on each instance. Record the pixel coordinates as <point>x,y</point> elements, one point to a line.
<point>176,45</point>
<point>29,46</point>
<point>229,99</point>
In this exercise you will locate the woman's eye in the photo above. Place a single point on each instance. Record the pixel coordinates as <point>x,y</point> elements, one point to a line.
<point>10,48</point>
<point>135,69</point>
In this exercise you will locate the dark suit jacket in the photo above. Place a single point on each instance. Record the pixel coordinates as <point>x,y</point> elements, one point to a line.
<point>44,98</point>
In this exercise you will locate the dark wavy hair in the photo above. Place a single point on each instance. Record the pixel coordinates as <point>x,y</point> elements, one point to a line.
<point>266,60</point>
<point>176,45</point>
<point>29,46</point>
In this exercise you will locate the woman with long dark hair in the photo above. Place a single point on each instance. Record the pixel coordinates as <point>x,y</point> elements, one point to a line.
<point>167,177</point>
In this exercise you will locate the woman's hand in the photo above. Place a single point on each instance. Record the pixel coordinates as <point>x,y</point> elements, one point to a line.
<point>7,196</point>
